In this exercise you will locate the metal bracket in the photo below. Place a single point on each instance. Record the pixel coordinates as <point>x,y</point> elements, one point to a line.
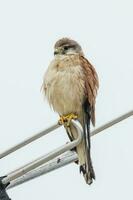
<point>43,159</point>
<point>50,161</point>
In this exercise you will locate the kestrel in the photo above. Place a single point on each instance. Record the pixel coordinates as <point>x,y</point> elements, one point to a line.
<point>70,85</point>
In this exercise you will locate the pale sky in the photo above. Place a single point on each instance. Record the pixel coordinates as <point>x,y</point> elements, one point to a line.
<point>28,31</point>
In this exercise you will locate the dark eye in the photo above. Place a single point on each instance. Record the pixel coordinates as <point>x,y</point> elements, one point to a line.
<point>66,47</point>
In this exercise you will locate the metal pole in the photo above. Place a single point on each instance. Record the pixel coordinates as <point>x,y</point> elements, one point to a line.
<point>55,126</point>
<point>29,140</point>
<point>52,165</point>
<point>65,158</point>
<point>112,122</point>
<point>47,157</point>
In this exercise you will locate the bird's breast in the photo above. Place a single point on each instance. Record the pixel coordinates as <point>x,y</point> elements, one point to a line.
<point>64,84</point>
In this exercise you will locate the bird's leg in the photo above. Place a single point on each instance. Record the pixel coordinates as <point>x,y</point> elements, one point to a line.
<point>66,120</point>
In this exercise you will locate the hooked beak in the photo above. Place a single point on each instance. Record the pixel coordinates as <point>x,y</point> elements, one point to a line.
<point>57,51</point>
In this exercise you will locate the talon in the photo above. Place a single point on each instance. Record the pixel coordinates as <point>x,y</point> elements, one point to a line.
<point>66,120</point>
<point>61,120</point>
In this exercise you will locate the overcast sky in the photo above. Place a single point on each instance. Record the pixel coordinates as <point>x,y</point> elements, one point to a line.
<point>28,31</point>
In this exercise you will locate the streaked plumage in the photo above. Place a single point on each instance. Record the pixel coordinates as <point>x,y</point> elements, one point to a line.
<point>70,85</point>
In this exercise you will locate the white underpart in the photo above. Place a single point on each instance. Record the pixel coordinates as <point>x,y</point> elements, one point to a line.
<point>64,88</point>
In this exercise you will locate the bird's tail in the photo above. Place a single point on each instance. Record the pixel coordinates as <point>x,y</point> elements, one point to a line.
<point>87,167</point>
<point>83,151</point>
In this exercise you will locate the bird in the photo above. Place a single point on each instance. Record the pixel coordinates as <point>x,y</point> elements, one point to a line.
<point>70,85</point>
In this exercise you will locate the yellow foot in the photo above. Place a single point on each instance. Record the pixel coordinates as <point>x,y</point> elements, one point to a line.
<point>66,120</point>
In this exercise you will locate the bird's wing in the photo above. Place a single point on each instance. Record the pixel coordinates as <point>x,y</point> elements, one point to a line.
<point>91,85</point>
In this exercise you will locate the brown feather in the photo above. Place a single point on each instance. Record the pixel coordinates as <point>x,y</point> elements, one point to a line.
<point>91,85</point>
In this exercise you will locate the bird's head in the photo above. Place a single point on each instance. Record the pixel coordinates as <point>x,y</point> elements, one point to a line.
<point>66,46</point>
